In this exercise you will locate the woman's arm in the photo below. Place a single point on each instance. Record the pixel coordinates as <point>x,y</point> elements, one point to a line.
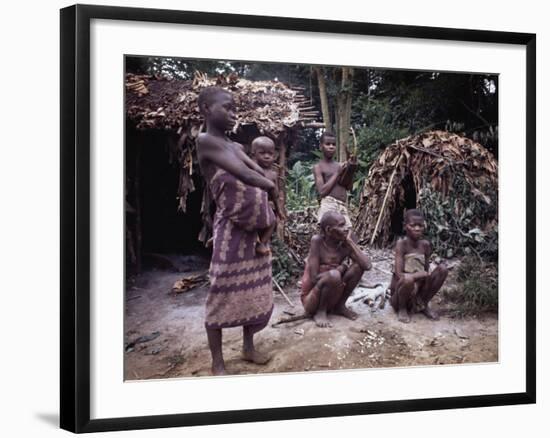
<point>213,149</point>
<point>247,160</point>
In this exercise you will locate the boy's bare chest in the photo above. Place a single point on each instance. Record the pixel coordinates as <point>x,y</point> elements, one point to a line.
<point>327,170</point>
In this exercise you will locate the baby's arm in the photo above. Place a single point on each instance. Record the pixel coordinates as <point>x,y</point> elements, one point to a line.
<point>214,150</point>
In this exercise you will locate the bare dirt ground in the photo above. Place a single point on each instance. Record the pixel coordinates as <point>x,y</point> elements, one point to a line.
<point>165,336</point>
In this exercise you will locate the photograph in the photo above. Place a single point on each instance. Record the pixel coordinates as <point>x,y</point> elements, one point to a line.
<point>275,219</point>
<point>335,216</point>
<point>307,218</point>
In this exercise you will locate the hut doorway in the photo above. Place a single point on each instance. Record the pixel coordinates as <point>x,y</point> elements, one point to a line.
<point>156,224</point>
<point>405,199</point>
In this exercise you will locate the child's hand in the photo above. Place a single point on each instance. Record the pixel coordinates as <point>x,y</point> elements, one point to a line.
<point>342,169</point>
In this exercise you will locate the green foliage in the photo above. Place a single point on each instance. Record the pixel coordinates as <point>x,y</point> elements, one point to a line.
<point>389,105</point>
<point>380,127</point>
<point>477,290</point>
<point>452,226</point>
<point>300,186</point>
<point>384,118</point>
<point>285,268</point>
<point>180,68</point>
<point>291,74</point>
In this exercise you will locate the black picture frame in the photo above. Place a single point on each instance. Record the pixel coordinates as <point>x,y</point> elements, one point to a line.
<point>75,217</point>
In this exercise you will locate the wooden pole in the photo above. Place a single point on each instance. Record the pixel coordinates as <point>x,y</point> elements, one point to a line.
<point>354,141</point>
<point>282,292</point>
<point>388,190</point>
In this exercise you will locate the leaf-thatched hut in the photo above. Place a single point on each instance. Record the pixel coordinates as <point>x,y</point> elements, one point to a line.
<point>451,178</point>
<point>162,174</point>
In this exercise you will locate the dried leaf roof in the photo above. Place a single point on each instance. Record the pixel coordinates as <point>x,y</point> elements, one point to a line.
<point>160,103</point>
<point>455,181</point>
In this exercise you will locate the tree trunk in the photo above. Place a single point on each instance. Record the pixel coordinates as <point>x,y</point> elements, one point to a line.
<point>343,111</point>
<point>324,97</point>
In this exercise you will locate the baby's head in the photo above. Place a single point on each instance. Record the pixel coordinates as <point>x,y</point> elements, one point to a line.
<point>263,151</point>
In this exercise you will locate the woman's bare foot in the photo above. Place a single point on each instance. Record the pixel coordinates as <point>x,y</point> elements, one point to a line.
<point>256,357</point>
<point>262,249</point>
<point>403,316</point>
<point>321,319</point>
<point>218,370</point>
<point>345,312</point>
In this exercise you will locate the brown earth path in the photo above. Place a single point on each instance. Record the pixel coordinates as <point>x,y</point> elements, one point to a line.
<point>175,340</point>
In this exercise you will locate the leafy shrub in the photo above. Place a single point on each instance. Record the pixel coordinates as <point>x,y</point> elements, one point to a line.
<point>300,186</point>
<point>477,290</point>
<point>285,268</point>
<point>453,222</point>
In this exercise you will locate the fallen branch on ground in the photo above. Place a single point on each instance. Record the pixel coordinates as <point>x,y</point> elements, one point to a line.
<point>291,319</point>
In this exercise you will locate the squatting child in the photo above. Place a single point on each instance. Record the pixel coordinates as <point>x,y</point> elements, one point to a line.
<point>413,285</point>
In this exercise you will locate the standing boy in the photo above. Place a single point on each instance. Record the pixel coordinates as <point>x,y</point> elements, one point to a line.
<point>240,280</point>
<point>333,180</point>
<point>327,281</point>
<point>413,286</point>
